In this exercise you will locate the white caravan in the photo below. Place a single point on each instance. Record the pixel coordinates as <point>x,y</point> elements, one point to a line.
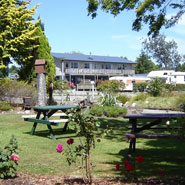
<point>128,81</point>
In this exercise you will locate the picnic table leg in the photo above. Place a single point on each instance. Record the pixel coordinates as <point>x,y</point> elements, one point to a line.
<point>65,127</point>
<point>51,132</point>
<point>35,124</point>
<point>132,146</point>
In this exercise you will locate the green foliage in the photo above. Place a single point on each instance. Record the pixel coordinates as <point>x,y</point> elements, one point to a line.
<point>16,89</point>
<point>115,111</point>
<point>4,106</point>
<point>181,102</point>
<point>85,125</point>
<point>96,110</point>
<point>17,39</point>
<point>140,87</point>
<point>109,111</point>
<point>155,87</point>
<point>108,100</point>
<point>164,52</point>
<point>154,13</point>
<point>110,86</point>
<point>140,97</point>
<point>169,87</point>
<point>144,64</point>
<point>8,167</point>
<point>122,99</point>
<point>180,87</point>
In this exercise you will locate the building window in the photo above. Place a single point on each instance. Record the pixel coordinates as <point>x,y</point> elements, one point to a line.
<point>95,66</point>
<point>74,65</point>
<point>87,66</point>
<point>184,78</point>
<point>108,66</point>
<point>67,65</point>
<point>102,66</point>
<point>175,76</point>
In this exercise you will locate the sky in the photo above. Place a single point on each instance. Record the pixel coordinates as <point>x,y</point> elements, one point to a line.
<point>69,28</point>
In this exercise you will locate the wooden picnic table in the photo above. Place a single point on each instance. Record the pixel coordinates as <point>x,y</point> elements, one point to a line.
<point>155,118</point>
<point>43,115</point>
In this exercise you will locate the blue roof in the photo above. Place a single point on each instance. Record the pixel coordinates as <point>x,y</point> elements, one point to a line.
<point>91,58</point>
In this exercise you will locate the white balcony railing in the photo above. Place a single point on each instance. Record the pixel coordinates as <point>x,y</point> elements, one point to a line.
<point>99,72</point>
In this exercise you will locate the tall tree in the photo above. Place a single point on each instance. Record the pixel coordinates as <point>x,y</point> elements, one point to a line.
<point>43,51</point>
<point>144,64</point>
<point>17,39</point>
<point>164,52</point>
<point>152,12</point>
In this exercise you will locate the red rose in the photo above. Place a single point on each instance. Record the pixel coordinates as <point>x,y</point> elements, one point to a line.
<point>160,172</point>
<point>70,141</point>
<point>125,162</point>
<point>117,167</point>
<point>129,167</point>
<point>139,159</point>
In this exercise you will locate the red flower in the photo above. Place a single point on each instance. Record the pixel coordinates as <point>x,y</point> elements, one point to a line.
<point>125,162</point>
<point>151,181</point>
<point>117,167</point>
<point>129,167</point>
<point>160,172</point>
<point>139,159</point>
<point>70,141</point>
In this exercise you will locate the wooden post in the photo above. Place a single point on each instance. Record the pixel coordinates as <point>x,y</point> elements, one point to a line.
<point>41,82</point>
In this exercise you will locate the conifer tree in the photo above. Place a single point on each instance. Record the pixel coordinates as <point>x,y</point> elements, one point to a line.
<point>17,32</point>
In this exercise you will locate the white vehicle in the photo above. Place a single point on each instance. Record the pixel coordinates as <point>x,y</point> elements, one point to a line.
<point>128,81</point>
<point>176,78</point>
<point>160,74</point>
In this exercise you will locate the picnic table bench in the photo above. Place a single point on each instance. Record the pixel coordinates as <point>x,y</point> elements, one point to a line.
<point>155,118</point>
<point>43,113</point>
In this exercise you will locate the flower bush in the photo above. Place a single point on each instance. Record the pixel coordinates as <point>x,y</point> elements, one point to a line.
<point>9,159</point>
<point>129,167</point>
<point>85,126</point>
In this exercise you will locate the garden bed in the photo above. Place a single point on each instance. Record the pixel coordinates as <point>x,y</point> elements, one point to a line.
<point>28,179</point>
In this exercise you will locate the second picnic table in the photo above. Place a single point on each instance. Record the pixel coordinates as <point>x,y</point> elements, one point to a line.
<point>43,115</point>
<point>156,118</point>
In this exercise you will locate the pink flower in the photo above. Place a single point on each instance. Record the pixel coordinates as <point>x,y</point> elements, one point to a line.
<point>14,157</point>
<point>139,159</point>
<point>117,167</point>
<point>59,148</point>
<point>70,141</point>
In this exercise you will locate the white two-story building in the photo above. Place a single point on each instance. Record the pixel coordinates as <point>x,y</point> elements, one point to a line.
<point>81,69</point>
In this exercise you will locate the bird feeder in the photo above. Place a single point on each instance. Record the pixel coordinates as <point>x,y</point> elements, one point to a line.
<point>40,66</point>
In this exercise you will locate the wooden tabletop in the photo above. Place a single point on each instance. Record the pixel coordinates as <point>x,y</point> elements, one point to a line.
<point>154,116</point>
<point>54,107</point>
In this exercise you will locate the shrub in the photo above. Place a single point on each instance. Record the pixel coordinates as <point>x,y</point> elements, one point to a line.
<point>181,102</point>
<point>180,87</point>
<point>8,159</point>
<point>141,87</point>
<point>96,110</point>
<point>140,97</point>
<point>114,111</point>
<point>16,89</point>
<point>155,87</point>
<point>169,87</point>
<point>122,99</point>
<point>4,106</point>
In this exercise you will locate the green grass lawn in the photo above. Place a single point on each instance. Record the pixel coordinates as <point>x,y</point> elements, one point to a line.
<point>38,152</point>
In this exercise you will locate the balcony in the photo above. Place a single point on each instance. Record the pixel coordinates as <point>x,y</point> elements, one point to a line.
<point>104,72</point>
